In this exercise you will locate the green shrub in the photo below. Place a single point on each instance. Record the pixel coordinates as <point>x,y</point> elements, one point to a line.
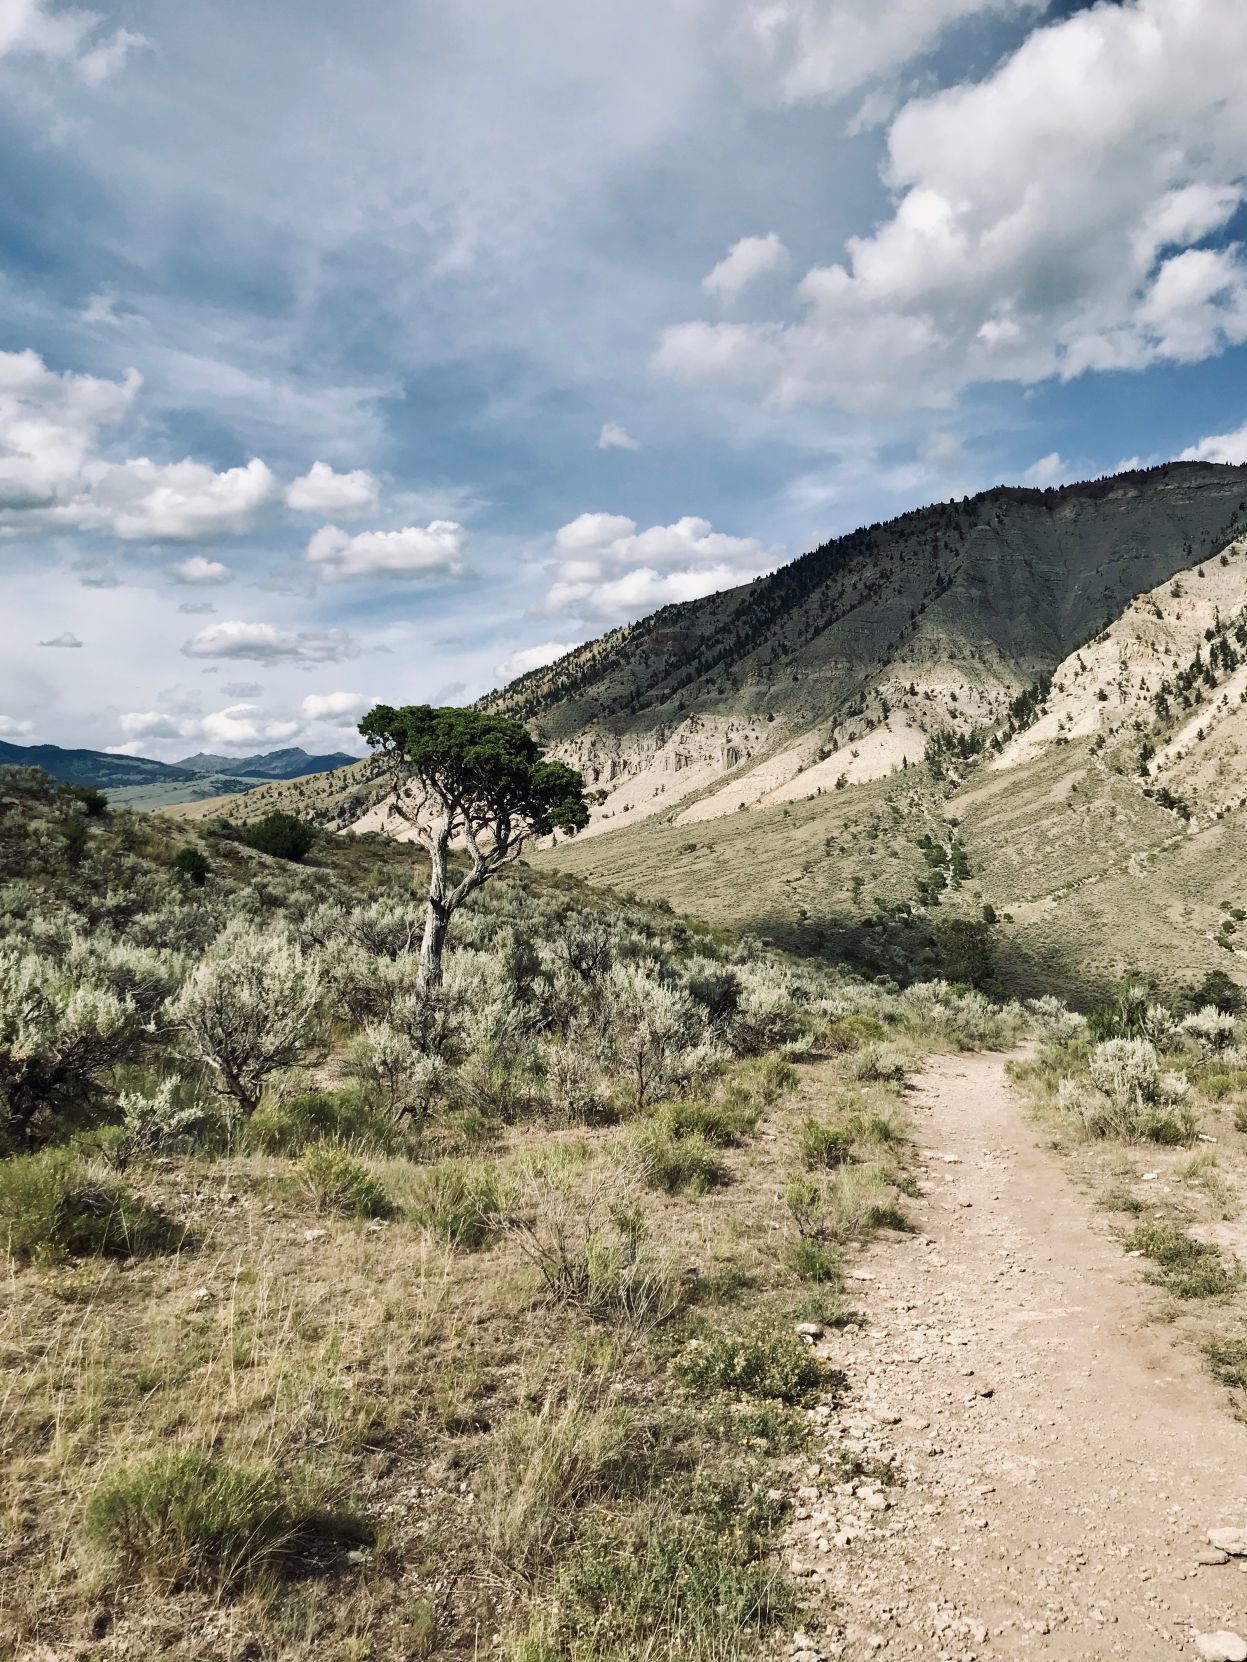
<point>679,1165</point>
<point>722,1124</point>
<point>51,1208</point>
<point>284,836</point>
<point>92,801</point>
<point>287,1125</point>
<point>338,1183</point>
<point>851,1203</point>
<point>882,1063</point>
<point>821,1144</point>
<point>1185,1267</point>
<point>1227,1359</point>
<point>759,1362</point>
<point>688,1576</point>
<point>851,1033</point>
<point>816,1261</point>
<point>193,1519</point>
<point>192,863</point>
<point>466,1202</point>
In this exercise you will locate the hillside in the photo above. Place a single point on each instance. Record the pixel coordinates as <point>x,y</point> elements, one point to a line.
<point>846,662</point>
<point>142,782</point>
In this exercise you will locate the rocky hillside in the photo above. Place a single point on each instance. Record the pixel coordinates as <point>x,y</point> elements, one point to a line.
<point>844,666</point>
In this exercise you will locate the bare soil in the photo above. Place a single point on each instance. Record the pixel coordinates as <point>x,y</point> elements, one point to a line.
<point>1061,1460</point>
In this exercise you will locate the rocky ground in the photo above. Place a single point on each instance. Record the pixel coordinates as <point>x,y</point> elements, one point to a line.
<point>1020,1462</point>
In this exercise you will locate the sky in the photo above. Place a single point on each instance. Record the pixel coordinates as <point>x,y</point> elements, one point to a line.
<point>358,354</point>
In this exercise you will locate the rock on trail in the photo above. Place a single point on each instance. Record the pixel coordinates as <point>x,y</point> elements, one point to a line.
<point>1063,1466</point>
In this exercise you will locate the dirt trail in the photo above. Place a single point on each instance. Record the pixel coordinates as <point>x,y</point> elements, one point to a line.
<point>1062,1459</point>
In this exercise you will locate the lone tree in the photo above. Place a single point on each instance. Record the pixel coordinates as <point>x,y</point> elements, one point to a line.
<point>460,776</point>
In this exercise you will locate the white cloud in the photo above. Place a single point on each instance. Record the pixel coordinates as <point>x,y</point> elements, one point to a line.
<point>11,728</point>
<point>743,264</point>
<point>104,60</point>
<point>532,657</point>
<point>795,51</point>
<point>344,495</point>
<point>433,550</point>
<point>266,643</point>
<point>615,437</point>
<point>342,709</point>
<point>65,638</point>
<point>151,724</point>
<point>1048,470</point>
<point>1043,225</point>
<point>49,424</point>
<point>608,571</point>
<point>245,724</point>
<point>197,569</point>
<point>241,689</point>
<point>187,501</point>
<point>63,35</point>
<point>1218,447</point>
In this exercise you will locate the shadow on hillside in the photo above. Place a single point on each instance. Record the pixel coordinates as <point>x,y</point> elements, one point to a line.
<point>1003,960</point>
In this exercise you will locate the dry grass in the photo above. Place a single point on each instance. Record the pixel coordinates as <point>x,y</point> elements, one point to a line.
<point>423,1391</point>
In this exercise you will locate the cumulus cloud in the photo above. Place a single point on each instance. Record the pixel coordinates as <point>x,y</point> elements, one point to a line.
<point>1048,470</point>
<point>341,709</point>
<point>65,638</point>
<point>433,550</point>
<point>743,264</point>
<point>266,643</point>
<point>607,571</point>
<point>49,424</point>
<point>197,569</point>
<point>615,437</point>
<point>11,728</point>
<point>187,501</point>
<point>344,495</point>
<point>797,51</point>
<point>238,724</point>
<point>1219,447</point>
<point>1045,223</point>
<point>532,657</point>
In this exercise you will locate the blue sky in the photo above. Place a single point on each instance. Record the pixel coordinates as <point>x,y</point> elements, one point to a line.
<point>379,353</point>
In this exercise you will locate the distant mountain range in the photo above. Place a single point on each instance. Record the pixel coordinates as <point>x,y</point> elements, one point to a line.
<point>142,782</point>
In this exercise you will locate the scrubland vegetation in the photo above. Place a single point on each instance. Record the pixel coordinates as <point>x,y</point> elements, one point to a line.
<point>348,1319</point>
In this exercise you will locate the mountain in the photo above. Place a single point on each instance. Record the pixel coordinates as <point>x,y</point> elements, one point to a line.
<point>850,661</point>
<point>141,782</point>
<point>274,764</point>
<point>1024,714</point>
<point>92,767</point>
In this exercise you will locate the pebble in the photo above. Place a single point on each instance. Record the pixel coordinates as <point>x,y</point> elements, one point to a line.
<point>1232,1541</point>
<point>314,1234</point>
<point>1212,1555</point>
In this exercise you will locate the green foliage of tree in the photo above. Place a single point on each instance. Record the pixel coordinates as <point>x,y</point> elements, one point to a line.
<point>459,775</point>
<point>284,836</point>
<point>193,865</point>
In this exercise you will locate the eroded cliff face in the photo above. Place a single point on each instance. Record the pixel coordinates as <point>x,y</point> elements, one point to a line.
<point>844,666</point>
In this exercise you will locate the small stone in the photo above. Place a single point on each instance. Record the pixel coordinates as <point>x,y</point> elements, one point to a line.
<point>314,1234</point>
<point>1221,1647</point>
<point>1212,1555</point>
<point>201,1295</point>
<point>808,1330</point>
<point>1233,1541</point>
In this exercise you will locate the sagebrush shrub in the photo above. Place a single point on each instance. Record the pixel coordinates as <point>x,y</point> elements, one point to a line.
<point>880,1063</point>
